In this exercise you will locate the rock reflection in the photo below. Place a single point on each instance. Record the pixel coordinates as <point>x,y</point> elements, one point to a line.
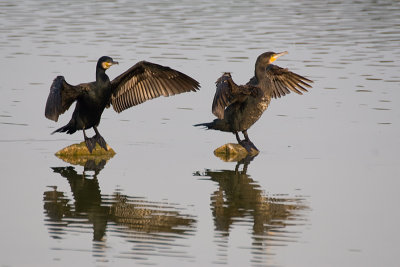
<point>149,226</point>
<point>275,220</point>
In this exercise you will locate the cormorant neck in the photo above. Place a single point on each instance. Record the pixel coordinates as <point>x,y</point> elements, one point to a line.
<point>259,71</point>
<point>101,76</point>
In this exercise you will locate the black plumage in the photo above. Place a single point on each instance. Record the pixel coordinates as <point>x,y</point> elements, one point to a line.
<point>238,107</point>
<point>141,82</point>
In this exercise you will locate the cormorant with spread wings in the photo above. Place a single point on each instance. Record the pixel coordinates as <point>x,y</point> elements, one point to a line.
<point>142,82</point>
<point>238,107</point>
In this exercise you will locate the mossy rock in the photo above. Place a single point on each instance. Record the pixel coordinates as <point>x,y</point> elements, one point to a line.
<point>233,152</point>
<point>78,154</point>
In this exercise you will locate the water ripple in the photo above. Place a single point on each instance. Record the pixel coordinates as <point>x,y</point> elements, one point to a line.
<point>151,227</point>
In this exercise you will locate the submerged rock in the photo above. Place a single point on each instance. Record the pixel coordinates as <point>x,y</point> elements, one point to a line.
<point>234,152</point>
<point>78,154</point>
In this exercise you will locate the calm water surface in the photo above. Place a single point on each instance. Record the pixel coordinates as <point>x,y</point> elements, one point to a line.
<point>322,192</point>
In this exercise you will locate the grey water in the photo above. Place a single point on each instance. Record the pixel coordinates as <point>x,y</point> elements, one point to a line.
<point>324,190</point>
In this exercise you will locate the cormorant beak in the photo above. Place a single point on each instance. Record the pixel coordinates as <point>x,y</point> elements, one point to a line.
<point>275,56</point>
<point>106,65</point>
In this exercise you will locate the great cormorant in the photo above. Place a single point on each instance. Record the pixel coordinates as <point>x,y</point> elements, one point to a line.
<point>238,107</point>
<point>142,82</point>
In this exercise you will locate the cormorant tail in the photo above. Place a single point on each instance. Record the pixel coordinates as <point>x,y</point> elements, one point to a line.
<point>69,128</point>
<point>216,124</point>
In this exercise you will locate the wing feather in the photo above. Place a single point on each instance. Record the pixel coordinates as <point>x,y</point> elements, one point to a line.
<point>173,88</point>
<point>166,91</point>
<point>158,87</point>
<point>281,90</point>
<point>181,82</point>
<point>152,92</point>
<point>61,97</point>
<point>131,97</point>
<point>228,92</point>
<point>142,91</point>
<point>292,86</point>
<point>284,81</point>
<point>223,95</point>
<point>145,81</point>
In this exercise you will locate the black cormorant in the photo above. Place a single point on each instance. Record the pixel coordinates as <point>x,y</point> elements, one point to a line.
<point>141,82</point>
<point>238,107</point>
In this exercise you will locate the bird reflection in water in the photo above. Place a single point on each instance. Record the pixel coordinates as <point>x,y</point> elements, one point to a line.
<point>141,222</point>
<point>275,220</point>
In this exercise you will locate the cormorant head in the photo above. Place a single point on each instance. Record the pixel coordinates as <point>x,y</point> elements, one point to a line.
<point>269,57</point>
<point>105,62</point>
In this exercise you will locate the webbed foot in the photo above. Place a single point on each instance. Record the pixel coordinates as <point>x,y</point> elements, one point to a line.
<point>248,145</point>
<point>90,144</point>
<point>100,140</point>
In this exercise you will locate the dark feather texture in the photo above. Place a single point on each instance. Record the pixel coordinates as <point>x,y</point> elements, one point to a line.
<point>228,92</point>
<point>141,82</point>
<point>283,81</point>
<point>145,81</point>
<point>238,107</point>
<point>61,97</point>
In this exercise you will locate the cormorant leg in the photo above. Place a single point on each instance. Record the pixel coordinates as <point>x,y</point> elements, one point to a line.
<point>246,143</point>
<point>246,137</point>
<point>89,142</point>
<point>99,139</point>
<point>237,137</point>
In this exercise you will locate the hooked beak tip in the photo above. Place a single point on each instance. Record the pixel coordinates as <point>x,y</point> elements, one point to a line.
<point>282,53</point>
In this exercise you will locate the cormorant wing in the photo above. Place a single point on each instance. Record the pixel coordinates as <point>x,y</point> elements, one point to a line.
<point>61,97</point>
<point>145,81</point>
<point>228,92</point>
<point>284,81</point>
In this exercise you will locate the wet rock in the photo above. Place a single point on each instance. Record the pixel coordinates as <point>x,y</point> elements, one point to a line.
<point>234,152</point>
<point>78,154</point>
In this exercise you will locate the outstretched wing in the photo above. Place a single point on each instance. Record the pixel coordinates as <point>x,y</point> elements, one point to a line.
<point>228,92</point>
<point>61,97</point>
<point>145,81</point>
<point>284,81</point>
